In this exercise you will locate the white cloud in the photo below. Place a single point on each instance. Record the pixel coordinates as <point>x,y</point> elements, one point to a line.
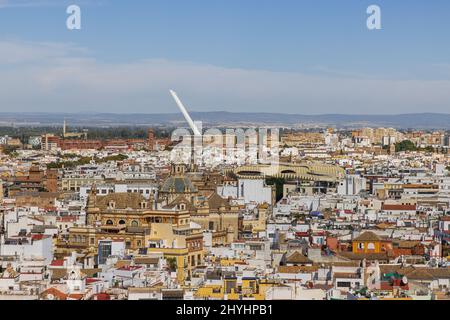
<point>62,77</point>
<point>13,52</point>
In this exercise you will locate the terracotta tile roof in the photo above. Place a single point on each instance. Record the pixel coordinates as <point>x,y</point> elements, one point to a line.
<point>181,199</point>
<point>215,201</point>
<point>297,257</point>
<point>350,263</point>
<point>102,296</point>
<point>297,269</point>
<point>368,236</point>
<point>67,219</point>
<point>387,286</point>
<point>323,286</point>
<point>443,273</point>
<point>367,256</point>
<point>129,268</point>
<point>57,263</point>
<point>122,200</point>
<point>92,280</point>
<point>58,274</point>
<point>401,207</point>
<point>59,295</point>
<point>406,244</point>
<point>121,263</point>
<point>385,226</point>
<point>417,273</point>
<point>38,236</point>
<point>346,275</point>
<point>146,260</point>
<point>392,268</point>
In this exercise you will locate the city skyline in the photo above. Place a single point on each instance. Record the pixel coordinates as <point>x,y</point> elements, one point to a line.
<point>219,158</point>
<point>292,57</point>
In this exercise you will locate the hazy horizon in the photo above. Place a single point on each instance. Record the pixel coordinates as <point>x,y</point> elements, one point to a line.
<point>221,111</point>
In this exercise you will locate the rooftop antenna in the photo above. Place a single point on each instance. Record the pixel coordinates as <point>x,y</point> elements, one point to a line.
<point>185,114</point>
<point>64,128</point>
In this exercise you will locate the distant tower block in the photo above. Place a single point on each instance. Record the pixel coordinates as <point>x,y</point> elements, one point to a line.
<point>150,140</point>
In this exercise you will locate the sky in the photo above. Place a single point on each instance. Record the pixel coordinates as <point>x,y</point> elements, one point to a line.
<point>288,56</point>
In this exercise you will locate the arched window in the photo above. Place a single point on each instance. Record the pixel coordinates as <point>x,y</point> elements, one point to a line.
<point>371,246</point>
<point>122,222</point>
<point>134,223</point>
<point>109,222</point>
<point>111,205</point>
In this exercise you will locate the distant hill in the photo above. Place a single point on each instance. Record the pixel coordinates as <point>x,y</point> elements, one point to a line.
<point>404,121</point>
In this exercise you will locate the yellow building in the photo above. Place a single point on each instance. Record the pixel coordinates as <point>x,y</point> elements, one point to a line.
<point>259,223</point>
<point>369,242</point>
<point>87,238</point>
<point>229,289</point>
<point>183,252</point>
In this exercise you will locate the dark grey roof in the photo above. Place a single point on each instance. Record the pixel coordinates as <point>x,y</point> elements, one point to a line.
<point>173,293</point>
<point>135,229</point>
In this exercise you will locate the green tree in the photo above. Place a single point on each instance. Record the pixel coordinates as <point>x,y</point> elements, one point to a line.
<point>172,262</point>
<point>10,151</point>
<point>278,182</point>
<point>405,145</point>
<point>429,149</point>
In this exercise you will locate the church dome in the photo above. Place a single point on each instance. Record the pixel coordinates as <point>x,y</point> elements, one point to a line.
<point>178,185</point>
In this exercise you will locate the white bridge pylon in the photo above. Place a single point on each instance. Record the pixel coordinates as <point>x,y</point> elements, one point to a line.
<point>185,114</point>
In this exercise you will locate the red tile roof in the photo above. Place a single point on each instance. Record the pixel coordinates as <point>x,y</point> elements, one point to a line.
<point>67,219</point>
<point>55,292</point>
<point>399,207</point>
<point>387,286</point>
<point>302,234</point>
<point>92,280</point>
<point>129,268</point>
<point>102,296</point>
<point>38,236</point>
<point>57,263</point>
